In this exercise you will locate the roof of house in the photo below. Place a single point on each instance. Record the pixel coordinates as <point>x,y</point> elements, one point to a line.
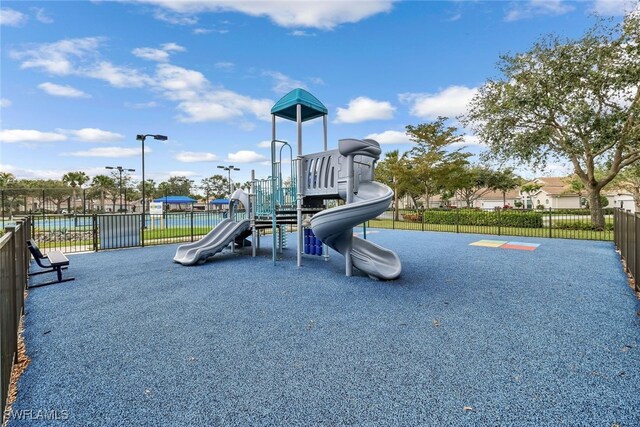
<point>556,186</point>
<point>497,195</point>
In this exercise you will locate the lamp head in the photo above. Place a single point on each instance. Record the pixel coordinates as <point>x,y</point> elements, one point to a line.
<point>140,137</point>
<point>160,137</point>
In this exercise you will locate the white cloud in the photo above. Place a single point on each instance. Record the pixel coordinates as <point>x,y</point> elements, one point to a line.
<point>197,99</point>
<point>27,135</point>
<point>245,156</point>
<point>363,109</point>
<point>116,76</point>
<point>11,17</point>
<point>42,16</point>
<point>301,33</point>
<point>450,102</point>
<point>112,152</point>
<point>266,144</point>
<point>141,105</point>
<point>4,103</point>
<point>175,18</point>
<point>56,57</point>
<point>390,137</point>
<point>21,173</point>
<point>151,54</point>
<point>614,7</point>
<point>194,157</point>
<point>92,135</point>
<point>226,66</point>
<point>64,91</point>
<point>469,141</point>
<point>173,47</point>
<point>323,15</point>
<point>533,8</point>
<point>202,31</point>
<point>159,55</point>
<point>283,83</point>
<point>223,105</point>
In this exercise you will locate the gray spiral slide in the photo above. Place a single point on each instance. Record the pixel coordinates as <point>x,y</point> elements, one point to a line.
<point>214,242</point>
<point>335,228</point>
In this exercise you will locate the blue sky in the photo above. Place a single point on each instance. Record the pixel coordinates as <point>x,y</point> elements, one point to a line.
<point>80,79</point>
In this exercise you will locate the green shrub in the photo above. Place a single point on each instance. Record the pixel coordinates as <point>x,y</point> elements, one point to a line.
<point>578,225</point>
<point>564,211</point>
<point>485,218</point>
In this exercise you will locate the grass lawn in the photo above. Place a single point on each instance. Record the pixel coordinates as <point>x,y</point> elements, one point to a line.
<point>507,231</point>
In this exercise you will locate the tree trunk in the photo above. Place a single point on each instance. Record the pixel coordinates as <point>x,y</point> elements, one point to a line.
<point>595,206</point>
<point>396,209</point>
<point>102,200</point>
<point>504,198</point>
<point>636,198</point>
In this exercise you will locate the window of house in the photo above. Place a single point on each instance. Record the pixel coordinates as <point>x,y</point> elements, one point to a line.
<point>546,202</point>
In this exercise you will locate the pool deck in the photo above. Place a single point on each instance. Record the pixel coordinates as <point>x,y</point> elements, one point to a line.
<point>468,335</point>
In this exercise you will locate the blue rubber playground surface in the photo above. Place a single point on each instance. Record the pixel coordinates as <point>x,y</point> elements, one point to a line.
<point>468,335</point>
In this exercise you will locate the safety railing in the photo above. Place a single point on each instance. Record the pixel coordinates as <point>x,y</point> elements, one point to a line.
<point>560,223</point>
<point>627,240</point>
<point>80,233</point>
<point>14,264</point>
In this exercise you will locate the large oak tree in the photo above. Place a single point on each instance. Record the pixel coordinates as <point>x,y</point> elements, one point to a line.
<point>575,100</point>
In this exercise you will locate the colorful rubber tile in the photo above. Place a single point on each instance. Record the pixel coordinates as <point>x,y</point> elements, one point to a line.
<point>489,243</point>
<point>519,247</point>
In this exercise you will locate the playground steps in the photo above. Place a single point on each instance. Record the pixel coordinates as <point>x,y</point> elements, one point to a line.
<point>286,215</point>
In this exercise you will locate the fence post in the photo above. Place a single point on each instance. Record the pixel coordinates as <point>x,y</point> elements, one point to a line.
<point>636,252</point>
<point>457,220</point>
<point>94,231</point>
<point>421,212</point>
<point>84,201</point>
<point>550,225</point>
<point>13,306</point>
<point>393,218</point>
<point>2,202</point>
<point>192,223</point>
<point>498,214</point>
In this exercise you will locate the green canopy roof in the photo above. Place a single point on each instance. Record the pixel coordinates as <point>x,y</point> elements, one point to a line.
<point>311,107</point>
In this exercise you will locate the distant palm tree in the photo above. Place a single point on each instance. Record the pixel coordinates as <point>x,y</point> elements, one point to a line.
<point>102,184</point>
<point>505,181</point>
<point>74,180</point>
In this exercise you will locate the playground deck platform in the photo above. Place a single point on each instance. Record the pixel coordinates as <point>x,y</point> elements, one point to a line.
<point>468,335</point>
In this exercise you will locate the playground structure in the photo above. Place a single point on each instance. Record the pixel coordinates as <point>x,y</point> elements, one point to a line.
<point>345,173</point>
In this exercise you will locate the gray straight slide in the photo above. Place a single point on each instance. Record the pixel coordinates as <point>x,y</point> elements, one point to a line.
<point>214,242</point>
<point>335,228</point>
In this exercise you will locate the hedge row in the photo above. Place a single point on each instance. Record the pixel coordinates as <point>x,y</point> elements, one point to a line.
<point>605,211</point>
<point>484,218</point>
<point>579,225</point>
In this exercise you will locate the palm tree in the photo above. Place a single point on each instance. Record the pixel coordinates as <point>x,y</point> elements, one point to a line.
<point>504,181</point>
<point>74,180</point>
<point>102,184</point>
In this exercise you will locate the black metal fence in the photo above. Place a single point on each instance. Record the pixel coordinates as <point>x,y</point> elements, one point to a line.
<point>14,264</point>
<point>627,240</point>
<point>94,232</point>
<point>555,223</point>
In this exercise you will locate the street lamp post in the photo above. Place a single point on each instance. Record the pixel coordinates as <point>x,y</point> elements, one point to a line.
<point>142,138</point>
<point>120,169</point>
<point>229,169</point>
